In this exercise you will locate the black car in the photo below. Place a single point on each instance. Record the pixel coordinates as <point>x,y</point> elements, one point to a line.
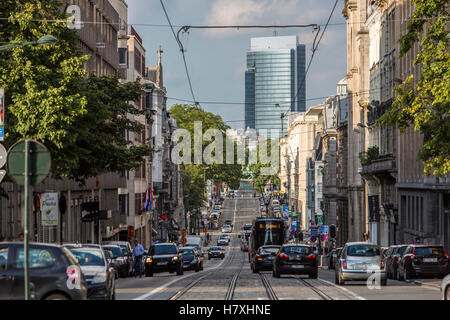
<point>55,274</point>
<point>111,261</point>
<point>334,255</point>
<point>263,260</point>
<point>127,252</point>
<point>192,259</point>
<point>100,277</point>
<point>163,257</point>
<point>216,252</point>
<point>295,259</point>
<point>122,262</point>
<point>423,260</point>
<point>392,258</point>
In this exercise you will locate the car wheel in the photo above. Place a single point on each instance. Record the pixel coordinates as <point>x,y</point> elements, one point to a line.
<point>447,293</point>
<point>399,276</point>
<point>407,275</point>
<point>313,275</point>
<point>56,296</point>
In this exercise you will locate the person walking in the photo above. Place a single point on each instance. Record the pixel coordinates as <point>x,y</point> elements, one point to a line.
<point>138,252</point>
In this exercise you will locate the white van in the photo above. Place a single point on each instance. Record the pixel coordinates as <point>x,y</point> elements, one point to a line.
<point>194,241</point>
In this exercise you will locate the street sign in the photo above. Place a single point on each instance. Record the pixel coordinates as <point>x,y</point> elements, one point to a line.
<point>3,155</point>
<point>323,229</point>
<point>313,238</point>
<point>38,166</point>
<point>324,237</point>
<point>314,231</point>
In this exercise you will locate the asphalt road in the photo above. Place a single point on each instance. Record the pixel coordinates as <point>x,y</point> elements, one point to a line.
<point>232,277</point>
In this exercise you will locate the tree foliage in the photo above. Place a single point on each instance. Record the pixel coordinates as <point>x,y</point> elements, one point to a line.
<point>51,98</point>
<point>230,174</point>
<point>424,103</point>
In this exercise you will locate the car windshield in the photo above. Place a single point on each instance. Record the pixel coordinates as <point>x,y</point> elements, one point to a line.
<point>164,250</point>
<point>402,250</point>
<point>268,250</point>
<point>297,249</point>
<point>223,236</point>
<point>124,249</point>
<point>187,252</point>
<point>88,257</point>
<point>215,249</point>
<point>117,252</point>
<point>363,250</point>
<point>428,251</point>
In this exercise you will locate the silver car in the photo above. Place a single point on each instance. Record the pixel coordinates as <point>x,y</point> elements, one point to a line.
<point>359,261</point>
<point>445,288</point>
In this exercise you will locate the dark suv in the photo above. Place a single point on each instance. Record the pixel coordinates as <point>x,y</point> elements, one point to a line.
<point>55,274</point>
<point>163,257</point>
<point>295,259</point>
<point>420,260</point>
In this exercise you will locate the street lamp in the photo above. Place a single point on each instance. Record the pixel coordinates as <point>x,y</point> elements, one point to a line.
<point>47,39</point>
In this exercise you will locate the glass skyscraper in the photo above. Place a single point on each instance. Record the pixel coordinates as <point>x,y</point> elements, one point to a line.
<point>275,72</point>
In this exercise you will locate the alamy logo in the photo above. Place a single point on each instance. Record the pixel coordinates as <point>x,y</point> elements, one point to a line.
<point>74,17</point>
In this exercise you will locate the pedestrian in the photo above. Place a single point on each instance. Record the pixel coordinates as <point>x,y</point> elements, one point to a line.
<point>138,252</point>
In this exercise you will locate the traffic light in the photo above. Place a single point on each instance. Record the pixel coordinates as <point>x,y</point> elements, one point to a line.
<point>332,231</point>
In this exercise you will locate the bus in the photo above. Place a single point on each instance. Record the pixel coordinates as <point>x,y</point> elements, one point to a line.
<point>266,231</point>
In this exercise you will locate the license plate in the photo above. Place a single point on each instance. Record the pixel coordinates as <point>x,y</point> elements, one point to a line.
<point>162,263</point>
<point>361,266</point>
<point>430,260</point>
<point>298,266</point>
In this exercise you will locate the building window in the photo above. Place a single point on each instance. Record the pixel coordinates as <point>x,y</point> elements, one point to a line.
<point>123,56</point>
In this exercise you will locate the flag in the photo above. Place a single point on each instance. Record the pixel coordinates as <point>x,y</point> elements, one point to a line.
<point>148,203</point>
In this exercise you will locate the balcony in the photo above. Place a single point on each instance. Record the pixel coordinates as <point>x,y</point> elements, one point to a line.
<point>384,164</point>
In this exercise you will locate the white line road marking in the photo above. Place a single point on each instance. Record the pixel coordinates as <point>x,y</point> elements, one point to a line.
<point>344,289</point>
<point>159,289</point>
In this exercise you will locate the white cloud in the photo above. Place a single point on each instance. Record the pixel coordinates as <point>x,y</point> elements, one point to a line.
<point>267,12</point>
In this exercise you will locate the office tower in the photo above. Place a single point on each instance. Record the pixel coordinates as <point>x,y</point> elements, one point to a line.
<point>274,81</point>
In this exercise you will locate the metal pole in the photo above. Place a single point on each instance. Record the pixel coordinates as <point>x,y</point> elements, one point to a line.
<point>25,222</point>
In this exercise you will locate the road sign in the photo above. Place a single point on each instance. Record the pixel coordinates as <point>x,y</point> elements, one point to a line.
<point>3,155</point>
<point>313,238</point>
<point>323,229</point>
<point>324,237</point>
<point>38,165</point>
<point>314,231</point>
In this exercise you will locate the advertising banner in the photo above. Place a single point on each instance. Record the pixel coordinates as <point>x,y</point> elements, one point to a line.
<point>49,209</point>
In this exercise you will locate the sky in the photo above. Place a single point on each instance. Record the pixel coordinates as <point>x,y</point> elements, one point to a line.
<point>216,59</point>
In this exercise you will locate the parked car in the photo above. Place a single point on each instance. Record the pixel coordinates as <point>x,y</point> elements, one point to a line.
<point>334,254</point>
<point>163,257</point>
<point>393,256</point>
<point>54,272</point>
<point>445,288</point>
<point>100,277</point>
<point>423,260</point>
<point>111,261</point>
<point>122,262</point>
<point>264,257</point>
<point>216,252</point>
<point>192,260</point>
<point>358,261</point>
<point>226,229</point>
<point>295,259</point>
<point>125,246</point>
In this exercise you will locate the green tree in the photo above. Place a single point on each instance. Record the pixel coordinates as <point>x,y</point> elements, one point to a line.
<point>230,174</point>
<point>424,103</point>
<point>50,98</point>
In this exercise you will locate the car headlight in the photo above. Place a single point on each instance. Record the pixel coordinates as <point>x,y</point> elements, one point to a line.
<point>175,258</point>
<point>148,260</point>
<point>99,278</point>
